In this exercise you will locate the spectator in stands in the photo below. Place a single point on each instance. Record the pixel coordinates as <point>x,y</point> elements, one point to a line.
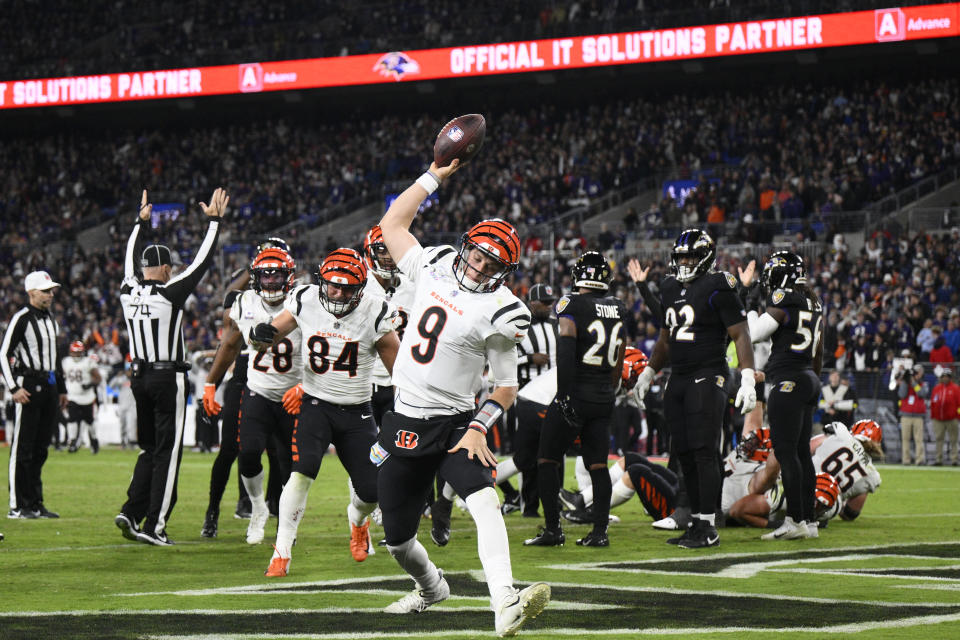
<point>925,339</point>
<point>952,335</point>
<point>944,411</point>
<point>940,352</point>
<point>912,391</point>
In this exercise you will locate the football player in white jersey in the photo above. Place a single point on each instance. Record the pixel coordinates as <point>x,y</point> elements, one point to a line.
<point>270,374</point>
<point>388,283</point>
<point>848,456</point>
<point>461,319</point>
<point>82,378</point>
<point>343,331</point>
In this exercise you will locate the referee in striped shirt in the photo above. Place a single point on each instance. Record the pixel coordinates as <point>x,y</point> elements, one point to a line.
<point>36,383</point>
<point>153,309</point>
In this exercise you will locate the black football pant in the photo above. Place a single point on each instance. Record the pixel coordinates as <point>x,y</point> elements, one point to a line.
<point>693,405</point>
<point>34,426</point>
<point>526,442</point>
<point>229,420</point>
<point>381,401</point>
<point>555,438</point>
<point>264,424</point>
<point>161,398</point>
<point>657,487</point>
<point>792,400</point>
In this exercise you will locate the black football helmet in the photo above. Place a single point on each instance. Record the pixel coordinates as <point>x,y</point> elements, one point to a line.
<point>696,243</point>
<point>273,243</point>
<point>592,271</point>
<point>782,270</point>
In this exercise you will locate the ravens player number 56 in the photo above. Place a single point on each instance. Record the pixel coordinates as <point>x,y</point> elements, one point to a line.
<point>701,311</point>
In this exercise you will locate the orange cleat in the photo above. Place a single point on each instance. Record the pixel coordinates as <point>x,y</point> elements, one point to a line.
<point>359,541</point>
<point>278,568</point>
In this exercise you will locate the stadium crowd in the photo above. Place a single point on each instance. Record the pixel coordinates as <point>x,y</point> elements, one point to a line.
<point>107,36</point>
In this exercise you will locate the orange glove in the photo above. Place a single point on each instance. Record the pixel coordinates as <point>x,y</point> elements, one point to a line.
<point>210,405</point>
<point>292,399</point>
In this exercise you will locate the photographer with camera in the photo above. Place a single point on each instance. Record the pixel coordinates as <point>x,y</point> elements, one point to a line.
<point>912,391</point>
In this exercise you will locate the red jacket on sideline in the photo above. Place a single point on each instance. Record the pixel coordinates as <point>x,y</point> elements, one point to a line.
<point>945,401</point>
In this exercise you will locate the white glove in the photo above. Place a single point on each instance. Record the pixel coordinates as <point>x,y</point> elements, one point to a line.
<point>747,395</point>
<point>643,385</point>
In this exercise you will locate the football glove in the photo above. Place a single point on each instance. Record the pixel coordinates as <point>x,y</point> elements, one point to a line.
<point>568,412</point>
<point>292,399</point>
<point>210,405</point>
<point>643,385</point>
<point>262,336</point>
<point>747,394</point>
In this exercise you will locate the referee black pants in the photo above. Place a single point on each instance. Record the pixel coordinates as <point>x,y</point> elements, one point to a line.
<point>161,398</point>
<point>34,425</point>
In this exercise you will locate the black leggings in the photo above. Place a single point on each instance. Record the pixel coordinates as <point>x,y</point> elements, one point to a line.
<point>790,406</point>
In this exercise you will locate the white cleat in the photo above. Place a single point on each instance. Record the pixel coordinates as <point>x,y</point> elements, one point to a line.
<point>813,530</point>
<point>517,609</point>
<point>789,530</point>
<point>258,521</point>
<point>419,599</point>
<point>667,524</point>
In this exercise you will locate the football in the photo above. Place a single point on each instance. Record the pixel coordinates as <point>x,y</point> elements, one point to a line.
<point>460,138</point>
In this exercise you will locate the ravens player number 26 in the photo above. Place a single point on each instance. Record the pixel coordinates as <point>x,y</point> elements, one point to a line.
<point>590,352</point>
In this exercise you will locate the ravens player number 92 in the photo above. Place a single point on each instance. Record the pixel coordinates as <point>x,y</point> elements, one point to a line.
<point>701,312</point>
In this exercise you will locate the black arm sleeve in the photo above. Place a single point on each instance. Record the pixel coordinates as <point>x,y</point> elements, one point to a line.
<point>566,364</point>
<point>179,289</point>
<point>649,299</point>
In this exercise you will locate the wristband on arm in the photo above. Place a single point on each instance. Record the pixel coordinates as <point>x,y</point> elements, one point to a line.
<point>488,416</point>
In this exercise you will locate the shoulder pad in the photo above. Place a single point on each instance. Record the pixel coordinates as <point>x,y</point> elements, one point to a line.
<point>436,254</point>
<point>562,304</point>
<point>230,297</point>
<point>730,279</point>
<point>512,319</point>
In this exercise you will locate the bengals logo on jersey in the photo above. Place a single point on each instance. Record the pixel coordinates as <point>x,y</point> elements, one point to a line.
<point>407,439</point>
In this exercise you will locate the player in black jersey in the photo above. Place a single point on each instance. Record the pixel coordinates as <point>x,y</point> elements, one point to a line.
<point>793,319</point>
<point>590,350</point>
<point>701,312</point>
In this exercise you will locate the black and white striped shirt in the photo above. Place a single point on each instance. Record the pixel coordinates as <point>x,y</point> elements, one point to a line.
<point>154,310</point>
<point>31,342</point>
<point>541,338</point>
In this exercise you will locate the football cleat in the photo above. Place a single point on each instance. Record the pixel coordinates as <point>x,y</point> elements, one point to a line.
<point>510,504</point>
<point>360,541</point>
<point>813,530</point>
<point>546,538</point>
<point>156,539</point>
<point>440,530</point>
<point>127,526</point>
<point>679,520</point>
<point>209,529</point>
<point>701,534</point>
<point>594,539</point>
<point>419,599</point>
<point>516,609</point>
<point>572,500</point>
<point>578,516</point>
<point>43,512</point>
<point>243,509</point>
<point>279,567</point>
<point>23,514</point>
<point>258,521</point>
<point>789,530</point>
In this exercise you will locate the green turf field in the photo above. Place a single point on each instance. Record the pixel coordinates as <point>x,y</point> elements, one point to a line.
<point>894,573</point>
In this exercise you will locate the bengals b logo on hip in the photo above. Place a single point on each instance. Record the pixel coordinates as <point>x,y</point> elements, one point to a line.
<point>407,439</point>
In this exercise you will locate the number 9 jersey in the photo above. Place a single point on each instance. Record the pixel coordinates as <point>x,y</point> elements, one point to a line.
<point>449,334</point>
<point>270,373</point>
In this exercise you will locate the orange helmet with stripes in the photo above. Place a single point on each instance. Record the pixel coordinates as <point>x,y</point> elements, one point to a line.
<point>77,349</point>
<point>498,241</point>
<point>868,429</point>
<point>273,271</point>
<point>634,362</point>
<point>827,497</point>
<point>342,276</point>
<point>378,256</point>
<point>756,446</point>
